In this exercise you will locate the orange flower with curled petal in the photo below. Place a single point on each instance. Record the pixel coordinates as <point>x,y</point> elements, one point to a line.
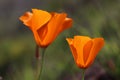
<point>46,26</point>
<point>85,49</point>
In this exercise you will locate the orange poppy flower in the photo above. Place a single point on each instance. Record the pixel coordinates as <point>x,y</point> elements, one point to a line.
<point>85,49</point>
<point>45,26</point>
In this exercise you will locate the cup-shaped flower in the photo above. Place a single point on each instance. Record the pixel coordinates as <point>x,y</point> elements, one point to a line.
<point>45,26</point>
<point>84,49</point>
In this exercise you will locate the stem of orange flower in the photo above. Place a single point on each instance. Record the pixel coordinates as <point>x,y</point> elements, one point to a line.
<point>83,74</point>
<point>42,62</point>
<point>37,55</point>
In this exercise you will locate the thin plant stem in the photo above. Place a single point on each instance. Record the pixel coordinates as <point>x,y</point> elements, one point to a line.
<point>42,62</point>
<point>83,74</point>
<point>37,55</point>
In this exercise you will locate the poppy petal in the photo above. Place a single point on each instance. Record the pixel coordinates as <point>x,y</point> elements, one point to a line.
<point>86,51</point>
<point>53,27</point>
<point>97,45</point>
<point>79,42</point>
<point>39,18</point>
<point>36,36</point>
<point>42,34</point>
<point>26,18</point>
<point>67,24</point>
<point>73,49</point>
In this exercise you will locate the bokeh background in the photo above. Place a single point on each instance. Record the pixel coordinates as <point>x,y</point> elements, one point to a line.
<point>94,18</point>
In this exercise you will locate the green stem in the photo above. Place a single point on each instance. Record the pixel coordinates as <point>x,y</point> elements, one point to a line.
<point>42,62</point>
<point>83,74</point>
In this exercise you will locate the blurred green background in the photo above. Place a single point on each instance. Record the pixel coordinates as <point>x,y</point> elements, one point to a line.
<point>94,18</point>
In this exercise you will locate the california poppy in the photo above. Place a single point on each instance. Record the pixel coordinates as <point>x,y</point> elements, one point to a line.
<point>46,26</point>
<point>85,49</point>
